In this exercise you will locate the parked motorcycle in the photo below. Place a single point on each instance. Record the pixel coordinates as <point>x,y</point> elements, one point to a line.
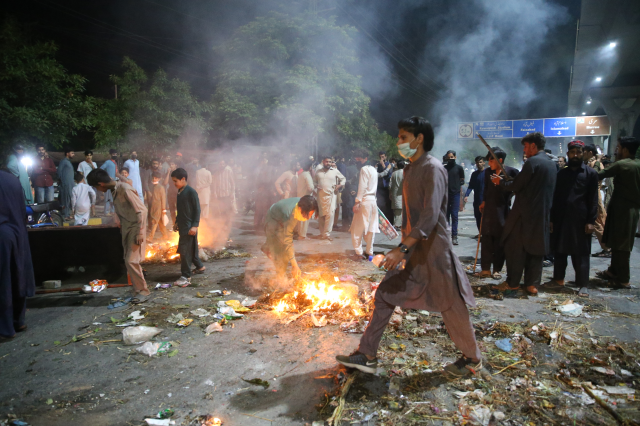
<point>45,214</point>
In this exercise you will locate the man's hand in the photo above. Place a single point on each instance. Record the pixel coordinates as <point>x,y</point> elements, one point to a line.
<point>295,271</point>
<point>193,230</point>
<point>589,228</point>
<point>496,179</point>
<point>481,208</point>
<point>392,259</point>
<point>93,211</point>
<point>356,207</point>
<point>551,227</point>
<point>338,188</point>
<point>139,240</point>
<point>466,199</point>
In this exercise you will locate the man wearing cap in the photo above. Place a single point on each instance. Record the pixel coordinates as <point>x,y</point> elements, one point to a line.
<point>19,170</point>
<point>573,216</point>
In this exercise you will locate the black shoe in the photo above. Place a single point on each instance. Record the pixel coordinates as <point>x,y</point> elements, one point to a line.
<point>360,361</point>
<point>455,240</point>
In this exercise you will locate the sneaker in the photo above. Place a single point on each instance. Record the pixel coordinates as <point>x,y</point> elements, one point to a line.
<point>455,240</point>
<point>360,361</point>
<point>183,282</point>
<point>462,368</point>
<point>547,263</point>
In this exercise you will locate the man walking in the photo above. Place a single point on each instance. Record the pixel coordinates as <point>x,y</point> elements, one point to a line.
<point>67,182</point>
<point>365,210</point>
<point>433,278</point>
<point>623,211</point>
<point>495,209</point>
<point>327,182</point>
<point>385,170</point>
<point>305,187</point>
<point>526,232</point>
<point>131,215</point>
<point>111,166</point>
<point>19,170</point>
<point>42,176</point>
<point>476,184</point>
<point>573,215</point>
<point>87,165</point>
<point>133,165</point>
<point>455,174</point>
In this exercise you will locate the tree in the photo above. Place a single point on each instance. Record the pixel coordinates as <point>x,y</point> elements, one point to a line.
<point>39,100</point>
<point>149,114</point>
<point>292,76</point>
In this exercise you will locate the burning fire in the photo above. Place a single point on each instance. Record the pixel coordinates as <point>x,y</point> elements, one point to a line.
<point>316,297</point>
<point>164,250</point>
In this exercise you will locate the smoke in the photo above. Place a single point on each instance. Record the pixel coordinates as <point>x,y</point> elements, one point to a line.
<point>491,54</point>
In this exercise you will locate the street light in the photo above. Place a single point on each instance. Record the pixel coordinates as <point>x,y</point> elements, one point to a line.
<point>612,44</point>
<point>589,102</point>
<point>584,113</point>
<point>598,78</point>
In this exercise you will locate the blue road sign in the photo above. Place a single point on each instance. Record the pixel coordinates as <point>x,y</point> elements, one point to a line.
<point>559,127</point>
<point>493,129</point>
<point>521,128</point>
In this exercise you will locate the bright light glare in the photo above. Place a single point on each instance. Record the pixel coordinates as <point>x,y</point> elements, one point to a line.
<point>584,113</point>
<point>588,102</point>
<point>598,78</point>
<point>612,44</point>
<point>27,161</point>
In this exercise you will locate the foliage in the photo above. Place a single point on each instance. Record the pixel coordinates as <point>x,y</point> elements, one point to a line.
<point>150,113</point>
<point>294,77</point>
<point>39,100</point>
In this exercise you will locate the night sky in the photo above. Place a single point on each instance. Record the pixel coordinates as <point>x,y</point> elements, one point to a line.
<point>94,36</point>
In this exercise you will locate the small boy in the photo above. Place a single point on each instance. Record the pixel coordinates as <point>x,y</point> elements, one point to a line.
<point>187,222</point>
<point>131,216</point>
<point>83,200</point>
<point>157,210</point>
<point>124,176</point>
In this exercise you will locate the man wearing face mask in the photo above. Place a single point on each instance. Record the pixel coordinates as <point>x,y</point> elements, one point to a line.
<point>328,181</point>
<point>365,210</point>
<point>573,216</point>
<point>133,164</point>
<point>456,180</point>
<point>282,219</point>
<point>433,278</point>
<point>111,167</point>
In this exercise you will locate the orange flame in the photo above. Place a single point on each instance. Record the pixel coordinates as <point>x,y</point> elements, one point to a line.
<point>320,296</point>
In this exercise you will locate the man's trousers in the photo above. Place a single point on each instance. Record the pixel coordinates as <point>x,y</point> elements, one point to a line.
<point>188,249</point>
<point>519,261</point>
<point>453,208</point>
<point>325,223</point>
<point>491,253</point>
<point>581,264</point>
<point>620,265</point>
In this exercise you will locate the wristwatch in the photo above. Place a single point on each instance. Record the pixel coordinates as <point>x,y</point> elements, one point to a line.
<point>403,248</point>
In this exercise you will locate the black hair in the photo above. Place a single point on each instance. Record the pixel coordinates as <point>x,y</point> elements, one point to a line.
<point>113,151</point>
<point>88,152</point>
<point>590,148</point>
<point>563,157</point>
<point>500,154</point>
<point>156,160</point>
<point>325,157</point>
<point>418,125</point>
<point>180,174</point>
<point>98,175</point>
<point>361,153</point>
<point>307,204</point>
<point>40,145</point>
<point>307,165</point>
<point>123,169</point>
<point>400,164</point>
<point>381,153</point>
<point>536,138</point>
<point>478,158</point>
<point>78,177</point>
<point>451,152</point>
<point>156,175</point>
<point>67,150</point>
<point>630,143</point>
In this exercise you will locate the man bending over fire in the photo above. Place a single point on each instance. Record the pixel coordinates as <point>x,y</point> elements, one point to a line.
<point>281,220</point>
<point>433,278</point>
<point>131,216</point>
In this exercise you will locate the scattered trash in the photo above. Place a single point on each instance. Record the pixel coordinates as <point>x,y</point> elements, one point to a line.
<point>136,315</point>
<point>185,322</point>
<point>160,422</point>
<point>200,312</point>
<point>212,328</point>
<point>504,345</point>
<point>228,310</point>
<point>249,303</point>
<point>319,322</point>
<point>237,306</point>
<point>166,413</point>
<point>95,286</point>
<point>127,324</point>
<point>258,382</point>
<point>175,318</point>
<point>346,278</point>
<point>607,371</point>
<point>216,292</point>
<point>139,334</point>
<point>617,390</point>
<point>120,303</point>
<point>153,348</point>
<point>571,309</point>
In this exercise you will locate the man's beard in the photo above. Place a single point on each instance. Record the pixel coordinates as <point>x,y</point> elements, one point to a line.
<point>575,162</point>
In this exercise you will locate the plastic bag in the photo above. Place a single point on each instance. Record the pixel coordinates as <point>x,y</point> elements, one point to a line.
<point>153,348</point>
<point>165,219</point>
<point>212,328</point>
<point>139,334</point>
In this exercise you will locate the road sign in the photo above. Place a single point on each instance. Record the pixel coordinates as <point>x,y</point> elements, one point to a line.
<point>559,127</point>
<point>494,129</point>
<point>521,128</point>
<point>465,130</point>
<point>593,126</point>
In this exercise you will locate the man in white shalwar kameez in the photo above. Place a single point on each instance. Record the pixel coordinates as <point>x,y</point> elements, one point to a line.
<point>83,200</point>
<point>327,182</point>
<point>203,181</point>
<point>365,210</point>
<point>133,164</point>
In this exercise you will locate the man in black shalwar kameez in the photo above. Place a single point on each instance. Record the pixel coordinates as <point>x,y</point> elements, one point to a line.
<point>16,270</point>
<point>573,216</point>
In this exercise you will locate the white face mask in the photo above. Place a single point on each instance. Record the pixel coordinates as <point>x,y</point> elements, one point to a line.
<point>406,151</point>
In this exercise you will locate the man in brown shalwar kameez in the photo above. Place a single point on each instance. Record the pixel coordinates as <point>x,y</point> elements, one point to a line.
<point>433,278</point>
<point>131,215</point>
